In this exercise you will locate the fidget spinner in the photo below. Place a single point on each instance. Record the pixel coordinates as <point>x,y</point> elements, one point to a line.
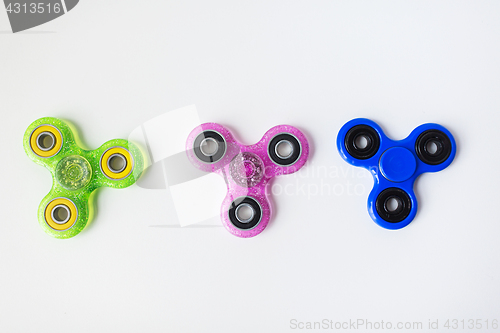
<point>76,173</point>
<point>395,165</point>
<point>247,170</point>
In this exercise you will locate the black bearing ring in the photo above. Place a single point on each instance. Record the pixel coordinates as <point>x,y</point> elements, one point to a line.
<point>442,142</point>
<point>221,148</point>
<point>372,138</point>
<point>403,209</point>
<point>292,158</point>
<point>257,216</point>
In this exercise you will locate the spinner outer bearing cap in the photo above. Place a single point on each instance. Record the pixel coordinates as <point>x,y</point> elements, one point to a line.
<point>76,173</point>
<point>247,169</point>
<point>395,165</point>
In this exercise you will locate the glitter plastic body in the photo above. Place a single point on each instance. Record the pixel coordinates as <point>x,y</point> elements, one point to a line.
<point>395,165</point>
<point>247,170</point>
<point>76,174</point>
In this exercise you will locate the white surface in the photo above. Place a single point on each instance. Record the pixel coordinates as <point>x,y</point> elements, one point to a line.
<point>164,132</point>
<point>112,66</point>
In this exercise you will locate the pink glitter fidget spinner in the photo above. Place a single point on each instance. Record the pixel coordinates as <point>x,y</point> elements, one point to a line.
<point>247,170</point>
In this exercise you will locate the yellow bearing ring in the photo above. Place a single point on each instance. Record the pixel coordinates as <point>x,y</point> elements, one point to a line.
<point>38,134</point>
<point>53,221</point>
<point>116,152</point>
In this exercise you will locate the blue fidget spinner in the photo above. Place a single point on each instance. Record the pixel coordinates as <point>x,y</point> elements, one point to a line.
<point>395,165</point>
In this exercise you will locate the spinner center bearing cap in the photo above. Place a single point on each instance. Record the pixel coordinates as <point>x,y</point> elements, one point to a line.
<point>397,164</point>
<point>73,172</point>
<point>247,169</point>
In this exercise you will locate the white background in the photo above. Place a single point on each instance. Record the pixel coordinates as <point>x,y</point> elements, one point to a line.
<point>110,66</point>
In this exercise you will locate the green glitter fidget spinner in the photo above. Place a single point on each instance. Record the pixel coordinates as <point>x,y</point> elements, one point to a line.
<point>77,173</point>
